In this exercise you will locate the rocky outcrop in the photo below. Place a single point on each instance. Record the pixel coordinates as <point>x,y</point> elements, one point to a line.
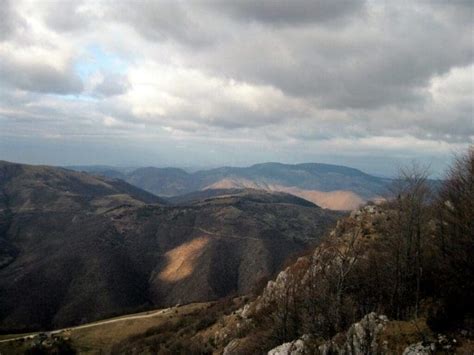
<point>442,344</point>
<point>367,210</point>
<point>232,347</point>
<point>418,349</point>
<point>297,347</point>
<point>362,337</point>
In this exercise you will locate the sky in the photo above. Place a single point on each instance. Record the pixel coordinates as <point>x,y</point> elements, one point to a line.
<point>369,84</point>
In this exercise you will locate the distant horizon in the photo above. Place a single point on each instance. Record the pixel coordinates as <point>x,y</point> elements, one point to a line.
<point>195,168</point>
<point>379,163</point>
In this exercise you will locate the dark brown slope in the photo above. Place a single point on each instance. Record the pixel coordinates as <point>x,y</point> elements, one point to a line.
<point>76,248</point>
<point>28,192</point>
<point>28,188</point>
<point>254,194</point>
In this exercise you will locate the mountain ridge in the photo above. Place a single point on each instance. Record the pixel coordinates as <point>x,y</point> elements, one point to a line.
<point>316,182</point>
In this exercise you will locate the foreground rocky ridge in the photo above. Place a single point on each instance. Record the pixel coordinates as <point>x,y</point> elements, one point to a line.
<point>280,298</point>
<point>291,300</point>
<point>296,299</point>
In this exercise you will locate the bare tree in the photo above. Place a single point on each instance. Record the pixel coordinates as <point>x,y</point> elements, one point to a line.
<point>455,236</point>
<point>408,231</point>
<point>346,257</point>
<point>288,303</point>
<point>329,272</point>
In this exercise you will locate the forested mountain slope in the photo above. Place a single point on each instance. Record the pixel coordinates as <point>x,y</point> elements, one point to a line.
<point>76,248</point>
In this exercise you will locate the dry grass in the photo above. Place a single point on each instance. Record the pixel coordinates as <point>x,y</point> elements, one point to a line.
<point>102,338</point>
<point>466,347</point>
<point>400,334</point>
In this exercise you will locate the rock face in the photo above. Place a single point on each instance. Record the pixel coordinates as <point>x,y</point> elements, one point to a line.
<point>418,349</point>
<point>75,248</point>
<point>232,347</point>
<point>362,337</point>
<point>297,347</point>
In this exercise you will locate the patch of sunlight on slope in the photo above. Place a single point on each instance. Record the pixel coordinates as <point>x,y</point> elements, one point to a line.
<point>338,200</point>
<point>181,260</point>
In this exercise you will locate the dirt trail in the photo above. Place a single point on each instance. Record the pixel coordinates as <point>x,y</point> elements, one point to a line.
<point>222,236</point>
<point>90,325</point>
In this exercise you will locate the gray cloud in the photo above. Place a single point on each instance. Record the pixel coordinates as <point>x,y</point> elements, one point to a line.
<point>10,20</point>
<point>39,77</point>
<point>66,16</point>
<point>112,85</point>
<point>459,10</point>
<point>163,21</point>
<point>386,60</point>
<point>288,12</point>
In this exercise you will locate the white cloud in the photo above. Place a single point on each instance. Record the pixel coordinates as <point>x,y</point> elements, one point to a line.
<point>171,95</point>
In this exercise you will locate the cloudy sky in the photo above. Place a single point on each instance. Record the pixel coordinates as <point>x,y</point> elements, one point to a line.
<point>204,83</point>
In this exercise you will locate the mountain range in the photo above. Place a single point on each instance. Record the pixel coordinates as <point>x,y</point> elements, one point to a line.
<point>387,278</point>
<point>77,247</point>
<point>329,186</point>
